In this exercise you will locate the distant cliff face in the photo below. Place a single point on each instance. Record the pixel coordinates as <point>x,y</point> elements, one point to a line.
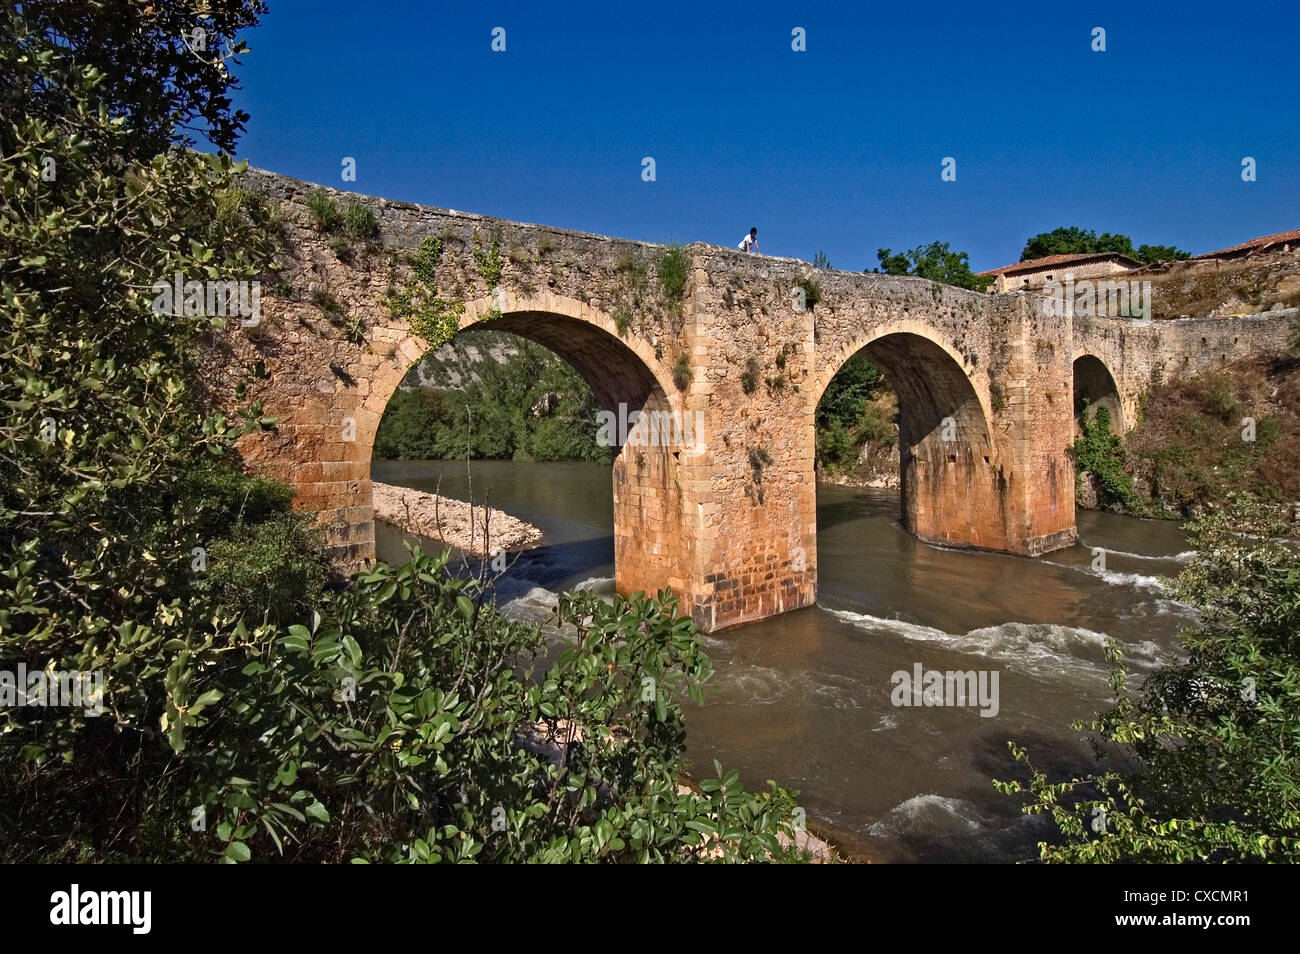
<point>452,365</point>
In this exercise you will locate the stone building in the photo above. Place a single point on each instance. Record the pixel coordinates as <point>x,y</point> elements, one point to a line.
<point>1038,271</point>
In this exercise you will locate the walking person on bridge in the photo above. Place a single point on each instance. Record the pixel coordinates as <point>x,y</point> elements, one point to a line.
<point>750,242</point>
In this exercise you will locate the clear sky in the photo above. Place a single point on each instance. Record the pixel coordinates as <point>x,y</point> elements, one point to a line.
<point>836,148</point>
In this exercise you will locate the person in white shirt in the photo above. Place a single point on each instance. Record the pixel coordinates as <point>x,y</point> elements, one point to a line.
<point>750,242</point>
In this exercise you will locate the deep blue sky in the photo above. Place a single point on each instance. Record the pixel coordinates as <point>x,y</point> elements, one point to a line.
<point>837,148</point>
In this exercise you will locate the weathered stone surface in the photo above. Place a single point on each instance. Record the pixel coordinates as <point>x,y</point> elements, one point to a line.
<point>986,387</point>
<point>462,525</point>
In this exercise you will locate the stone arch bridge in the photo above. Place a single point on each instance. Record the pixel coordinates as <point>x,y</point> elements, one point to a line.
<point>987,387</point>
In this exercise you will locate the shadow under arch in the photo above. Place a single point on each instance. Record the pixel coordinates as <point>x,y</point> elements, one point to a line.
<point>626,377</point>
<point>1094,385</point>
<point>951,487</point>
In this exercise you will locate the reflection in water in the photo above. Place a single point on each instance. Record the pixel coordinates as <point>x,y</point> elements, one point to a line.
<point>805,698</point>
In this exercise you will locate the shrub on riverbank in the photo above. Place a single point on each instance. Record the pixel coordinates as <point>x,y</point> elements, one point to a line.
<point>247,710</point>
<point>1203,438</point>
<point>1099,457</point>
<point>1211,745</point>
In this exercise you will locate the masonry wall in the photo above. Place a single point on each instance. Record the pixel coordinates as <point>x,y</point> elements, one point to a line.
<point>1139,355</point>
<point>985,385</point>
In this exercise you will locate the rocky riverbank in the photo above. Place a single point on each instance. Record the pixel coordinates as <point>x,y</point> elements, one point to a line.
<point>473,528</point>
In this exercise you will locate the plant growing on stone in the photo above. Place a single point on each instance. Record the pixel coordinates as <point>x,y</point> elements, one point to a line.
<point>812,291</point>
<point>489,260</point>
<point>323,211</point>
<point>674,269</point>
<point>632,265</point>
<point>749,377</point>
<point>682,374</point>
<point>434,319</point>
<point>359,222</point>
<point>425,259</point>
<point>355,329</point>
<point>1100,453</point>
<point>622,321</point>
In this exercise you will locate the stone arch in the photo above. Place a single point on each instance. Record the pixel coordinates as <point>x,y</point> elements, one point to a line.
<point>620,371</point>
<point>616,368</point>
<point>1093,384</point>
<point>952,487</point>
<point>915,329</point>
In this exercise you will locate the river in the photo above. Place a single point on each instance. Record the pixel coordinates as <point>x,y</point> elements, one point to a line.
<point>805,698</point>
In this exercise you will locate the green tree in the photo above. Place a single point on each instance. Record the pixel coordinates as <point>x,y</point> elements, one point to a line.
<point>1072,240</point>
<point>821,261</point>
<point>1162,253</point>
<point>937,262</point>
<point>530,406</point>
<point>1211,745</point>
<point>845,417</point>
<point>249,710</point>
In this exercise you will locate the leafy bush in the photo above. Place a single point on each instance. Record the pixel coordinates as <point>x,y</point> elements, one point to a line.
<point>489,261</point>
<point>359,222</point>
<point>1100,453</point>
<point>674,269</point>
<point>398,719</point>
<point>426,258</point>
<point>812,291</point>
<point>323,211</point>
<point>682,375</point>
<point>1211,745</point>
<point>622,321</point>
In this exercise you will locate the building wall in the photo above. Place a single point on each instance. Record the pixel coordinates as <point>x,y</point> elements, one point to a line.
<point>1034,279</point>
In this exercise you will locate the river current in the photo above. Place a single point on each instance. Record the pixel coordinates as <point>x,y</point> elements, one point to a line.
<point>809,698</point>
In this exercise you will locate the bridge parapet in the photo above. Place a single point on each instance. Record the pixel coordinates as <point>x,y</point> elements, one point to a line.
<point>725,512</point>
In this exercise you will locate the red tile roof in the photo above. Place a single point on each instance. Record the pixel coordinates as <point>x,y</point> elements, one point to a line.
<point>1070,258</point>
<point>1264,240</point>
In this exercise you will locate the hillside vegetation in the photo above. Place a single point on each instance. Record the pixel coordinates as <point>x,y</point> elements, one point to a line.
<point>491,395</point>
<point>1230,288</point>
<point>1203,438</point>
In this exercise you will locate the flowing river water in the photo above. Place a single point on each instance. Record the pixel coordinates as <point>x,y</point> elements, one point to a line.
<point>807,699</point>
